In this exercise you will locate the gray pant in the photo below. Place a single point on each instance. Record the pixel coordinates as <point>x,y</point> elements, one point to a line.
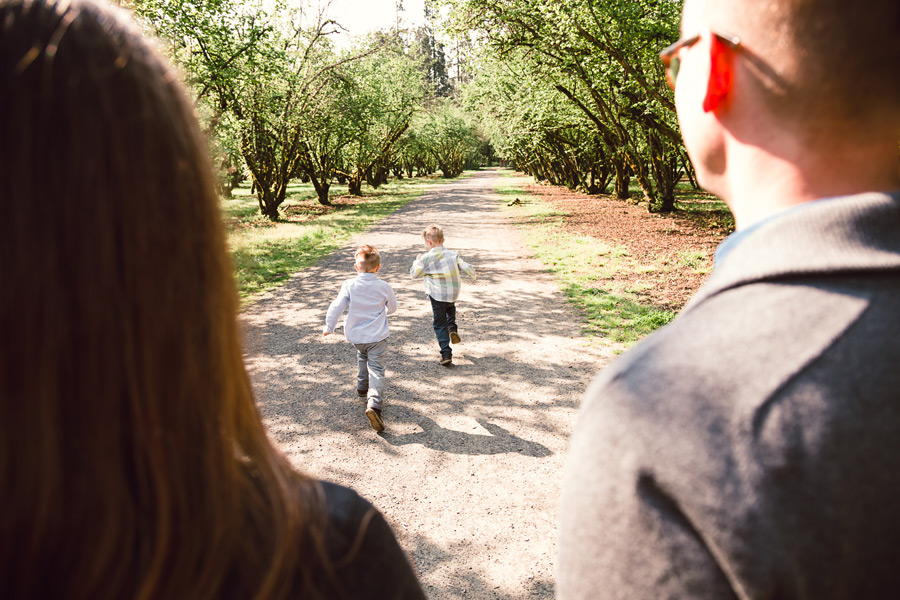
<point>370,358</point>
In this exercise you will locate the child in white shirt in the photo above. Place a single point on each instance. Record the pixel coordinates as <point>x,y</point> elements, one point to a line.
<point>368,301</point>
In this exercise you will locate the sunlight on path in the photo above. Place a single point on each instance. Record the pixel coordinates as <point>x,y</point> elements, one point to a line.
<point>469,468</point>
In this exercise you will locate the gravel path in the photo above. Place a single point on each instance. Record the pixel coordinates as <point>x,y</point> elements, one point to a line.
<point>469,468</point>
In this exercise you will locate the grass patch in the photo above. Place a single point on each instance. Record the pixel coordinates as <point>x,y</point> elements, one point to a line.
<point>530,209</point>
<point>598,277</point>
<point>616,316</point>
<point>695,260</point>
<point>706,210</point>
<point>266,254</point>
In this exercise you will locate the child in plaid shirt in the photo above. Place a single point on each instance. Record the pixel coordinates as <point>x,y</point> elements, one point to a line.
<point>441,269</point>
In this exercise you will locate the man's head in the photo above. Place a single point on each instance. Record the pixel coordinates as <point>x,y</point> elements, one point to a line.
<point>807,75</point>
<point>814,59</point>
<point>367,259</point>
<point>434,236</point>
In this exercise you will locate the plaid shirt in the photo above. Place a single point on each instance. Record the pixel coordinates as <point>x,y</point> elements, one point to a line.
<point>441,269</point>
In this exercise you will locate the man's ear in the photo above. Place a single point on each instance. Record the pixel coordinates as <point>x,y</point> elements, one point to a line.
<point>720,75</point>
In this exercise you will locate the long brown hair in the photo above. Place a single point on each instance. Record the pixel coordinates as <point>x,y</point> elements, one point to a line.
<point>133,462</point>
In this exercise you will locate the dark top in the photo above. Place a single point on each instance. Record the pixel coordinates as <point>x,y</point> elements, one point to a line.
<point>751,448</point>
<point>370,564</point>
<point>362,559</point>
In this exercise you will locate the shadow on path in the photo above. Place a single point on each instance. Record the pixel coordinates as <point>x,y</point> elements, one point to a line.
<point>498,440</point>
<point>469,467</point>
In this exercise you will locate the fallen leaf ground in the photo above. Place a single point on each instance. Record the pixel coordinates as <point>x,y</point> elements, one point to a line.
<point>678,246</point>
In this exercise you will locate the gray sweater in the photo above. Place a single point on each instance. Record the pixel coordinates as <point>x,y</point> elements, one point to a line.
<point>751,448</point>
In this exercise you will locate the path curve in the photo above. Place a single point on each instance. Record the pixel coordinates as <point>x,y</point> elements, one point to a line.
<point>469,469</point>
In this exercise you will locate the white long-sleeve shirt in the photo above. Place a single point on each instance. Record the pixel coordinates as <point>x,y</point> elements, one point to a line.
<point>368,301</point>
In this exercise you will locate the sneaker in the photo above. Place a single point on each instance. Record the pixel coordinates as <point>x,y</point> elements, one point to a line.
<point>446,361</point>
<point>362,393</point>
<point>454,337</point>
<point>374,416</point>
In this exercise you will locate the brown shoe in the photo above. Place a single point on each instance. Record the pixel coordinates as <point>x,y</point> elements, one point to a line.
<point>374,416</point>
<point>454,337</point>
<point>446,361</point>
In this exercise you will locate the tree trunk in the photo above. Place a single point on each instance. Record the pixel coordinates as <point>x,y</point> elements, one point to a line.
<point>322,193</point>
<point>354,183</point>
<point>446,170</point>
<point>640,173</point>
<point>601,175</point>
<point>664,161</point>
<point>623,179</point>
<point>689,171</point>
<point>321,186</point>
<point>235,180</point>
<point>376,176</point>
<point>666,202</point>
<point>268,202</point>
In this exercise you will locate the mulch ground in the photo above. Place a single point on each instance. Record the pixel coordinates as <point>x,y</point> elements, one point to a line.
<point>657,239</point>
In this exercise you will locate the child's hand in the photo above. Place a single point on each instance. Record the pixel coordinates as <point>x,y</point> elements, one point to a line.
<point>418,257</point>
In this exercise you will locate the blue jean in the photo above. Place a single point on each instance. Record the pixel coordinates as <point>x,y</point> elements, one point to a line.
<point>444,323</point>
<point>370,376</point>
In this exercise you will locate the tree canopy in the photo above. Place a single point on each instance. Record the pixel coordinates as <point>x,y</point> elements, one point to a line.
<point>570,91</point>
<point>280,101</point>
<point>597,105</point>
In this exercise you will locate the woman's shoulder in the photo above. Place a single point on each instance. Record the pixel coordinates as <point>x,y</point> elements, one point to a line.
<point>345,507</point>
<point>367,558</point>
<point>353,524</point>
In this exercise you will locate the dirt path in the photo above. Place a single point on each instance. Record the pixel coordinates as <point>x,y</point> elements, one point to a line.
<point>469,468</point>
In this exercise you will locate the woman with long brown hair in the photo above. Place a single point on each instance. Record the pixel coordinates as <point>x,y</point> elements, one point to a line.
<point>133,462</point>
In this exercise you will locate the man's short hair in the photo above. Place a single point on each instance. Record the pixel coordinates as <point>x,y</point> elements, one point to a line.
<point>367,258</point>
<point>433,233</point>
<point>819,59</point>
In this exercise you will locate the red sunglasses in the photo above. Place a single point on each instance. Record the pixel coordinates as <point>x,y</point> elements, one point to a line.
<point>672,62</point>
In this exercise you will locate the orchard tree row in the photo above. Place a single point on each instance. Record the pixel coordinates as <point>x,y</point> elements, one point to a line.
<point>280,101</point>
<point>573,92</point>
